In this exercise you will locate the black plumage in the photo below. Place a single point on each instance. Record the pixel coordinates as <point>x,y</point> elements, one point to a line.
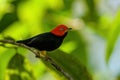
<point>46,41</point>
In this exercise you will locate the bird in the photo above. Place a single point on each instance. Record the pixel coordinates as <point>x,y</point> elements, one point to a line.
<point>47,41</point>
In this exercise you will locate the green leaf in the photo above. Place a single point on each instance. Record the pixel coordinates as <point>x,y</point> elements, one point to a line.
<point>18,69</point>
<point>113,35</point>
<point>74,44</point>
<point>118,77</point>
<point>7,20</point>
<point>4,60</point>
<point>11,17</point>
<point>70,65</point>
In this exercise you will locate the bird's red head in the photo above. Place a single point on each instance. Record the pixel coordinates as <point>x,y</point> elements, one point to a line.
<point>60,30</point>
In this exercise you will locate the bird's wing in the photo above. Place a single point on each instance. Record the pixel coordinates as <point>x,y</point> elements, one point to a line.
<point>41,39</point>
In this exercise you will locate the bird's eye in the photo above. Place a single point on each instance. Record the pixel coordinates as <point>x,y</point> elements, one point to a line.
<point>61,29</point>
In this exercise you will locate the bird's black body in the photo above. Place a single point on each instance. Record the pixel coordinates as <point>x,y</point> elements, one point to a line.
<point>46,41</point>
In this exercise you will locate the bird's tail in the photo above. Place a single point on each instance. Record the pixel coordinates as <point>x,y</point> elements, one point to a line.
<point>26,41</point>
<point>22,41</point>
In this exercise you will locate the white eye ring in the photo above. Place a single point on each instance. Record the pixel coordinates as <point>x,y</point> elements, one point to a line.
<point>61,29</point>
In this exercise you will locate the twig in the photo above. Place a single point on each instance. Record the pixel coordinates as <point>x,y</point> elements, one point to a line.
<point>21,45</point>
<point>36,52</point>
<point>48,59</point>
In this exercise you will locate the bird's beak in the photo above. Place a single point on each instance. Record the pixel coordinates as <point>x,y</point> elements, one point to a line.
<point>69,29</point>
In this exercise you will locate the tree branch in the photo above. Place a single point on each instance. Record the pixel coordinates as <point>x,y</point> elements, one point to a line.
<point>37,54</point>
<point>21,45</point>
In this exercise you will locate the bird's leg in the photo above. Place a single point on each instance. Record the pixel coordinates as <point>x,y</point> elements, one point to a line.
<point>43,53</point>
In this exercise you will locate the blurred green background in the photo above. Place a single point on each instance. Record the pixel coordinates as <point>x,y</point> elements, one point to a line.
<point>89,52</point>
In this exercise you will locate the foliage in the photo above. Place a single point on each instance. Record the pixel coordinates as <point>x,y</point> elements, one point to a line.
<point>87,52</point>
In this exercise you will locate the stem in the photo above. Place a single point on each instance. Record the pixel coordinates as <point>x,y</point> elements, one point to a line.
<point>21,45</point>
<point>48,59</point>
<point>36,52</point>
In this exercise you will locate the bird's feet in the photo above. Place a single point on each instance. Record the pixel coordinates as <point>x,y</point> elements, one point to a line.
<point>43,53</point>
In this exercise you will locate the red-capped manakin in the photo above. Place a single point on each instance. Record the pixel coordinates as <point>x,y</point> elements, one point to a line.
<point>48,41</point>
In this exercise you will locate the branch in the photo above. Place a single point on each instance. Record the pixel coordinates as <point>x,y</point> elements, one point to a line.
<point>49,60</point>
<point>21,45</point>
<point>37,54</point>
